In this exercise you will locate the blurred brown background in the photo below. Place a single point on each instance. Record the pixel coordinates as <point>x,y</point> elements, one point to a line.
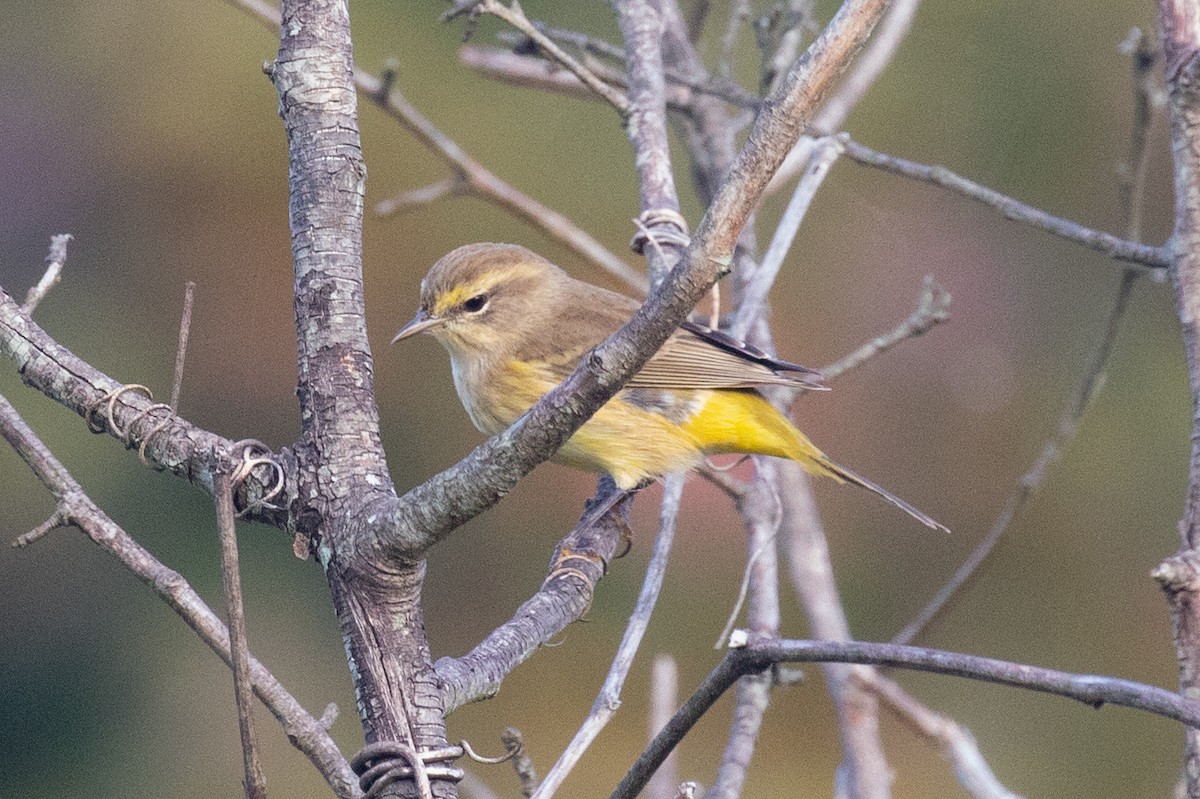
<point>149,132</point>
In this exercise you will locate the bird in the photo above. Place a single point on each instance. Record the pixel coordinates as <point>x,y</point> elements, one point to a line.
<point>515,325</point>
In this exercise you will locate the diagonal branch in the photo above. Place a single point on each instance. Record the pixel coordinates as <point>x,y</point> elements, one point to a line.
<point>514,16</point>
<point>478,180</point>
<point>305,732</point>
<point>254,781</point>
<point>1115,247</point>
<point>609,698</point>
<point>167,441</point>
<point>758,655</point>
<point>565,595</point>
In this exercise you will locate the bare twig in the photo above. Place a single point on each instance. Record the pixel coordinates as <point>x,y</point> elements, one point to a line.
<point>406,200</point>
<point>954,741</point>
<point>480,181</point>
<point>724,88</point>
<point>641,27</point>
<point>754,293</point>
<point>867,68</point>
<point>55,521</point>
<point>578,565</point>
<point>1115,247</point>
<point>933,308</point>
<point>515,16</point>
<point>744,589</point>
<point>664,698</point>
<point>55,260</point>
<point>305,732</point>
<point>538,73</point>
<point>255,782</point>
<point>185,327</point>
<point>757,655</point>
<point>761,516</point>
<point>609,699</point>
<point>1132,188</point>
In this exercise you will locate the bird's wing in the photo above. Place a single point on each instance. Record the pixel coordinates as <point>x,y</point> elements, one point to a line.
<point>699,357</point>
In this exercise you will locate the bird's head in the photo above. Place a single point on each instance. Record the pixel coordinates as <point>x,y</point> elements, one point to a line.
<point>484,298</point>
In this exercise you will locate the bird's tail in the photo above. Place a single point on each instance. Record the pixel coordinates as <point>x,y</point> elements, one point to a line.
<point>840,473</point>
<point>743,421</point>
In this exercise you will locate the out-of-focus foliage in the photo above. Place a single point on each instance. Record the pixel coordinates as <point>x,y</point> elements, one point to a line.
<point>149,132</point>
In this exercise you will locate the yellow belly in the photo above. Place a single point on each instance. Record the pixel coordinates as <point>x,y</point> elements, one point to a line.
<point>635,437</point>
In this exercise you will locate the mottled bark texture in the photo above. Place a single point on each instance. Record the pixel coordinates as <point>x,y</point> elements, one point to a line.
<point>1179,22</point>
<point>341,468</point>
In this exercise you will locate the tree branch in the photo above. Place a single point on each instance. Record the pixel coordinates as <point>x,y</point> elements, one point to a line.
<point>1179,28</point>
<point>165,440</point>
<point>55,260</point>
<point>1132,252</point>
<point>757,655</point>
<point>579,563</point>
<point>74,507</point>
<point>254,781</point>
<point>609,698</point>
<point>479,181</point>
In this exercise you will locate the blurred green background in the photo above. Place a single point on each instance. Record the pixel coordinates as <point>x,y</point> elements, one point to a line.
<point>149,132</point>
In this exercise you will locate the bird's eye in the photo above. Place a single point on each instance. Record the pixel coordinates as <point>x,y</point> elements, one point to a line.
<point>476,303</point>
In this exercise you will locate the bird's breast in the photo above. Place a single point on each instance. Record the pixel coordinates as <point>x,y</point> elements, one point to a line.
<point>496,393</point>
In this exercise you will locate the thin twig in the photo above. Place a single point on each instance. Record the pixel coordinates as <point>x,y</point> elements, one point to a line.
<point>1132,188</point>
<point>185,327</point>
<point>761,516</point>
<point>406,200</point>
<point>304,731</point>
<point>515,16</point>
<point>1089,689</point>
<point>254,782</point>
<point>724,88</point>
<point>754,293</point>
<point>55,260</point>
<point>954,741</point>
<point>867,68</point>
<point>664,698</point>
<point>933,308</point>
<point>51,524</point>
<point>531,72</point>
<point>481,181</point>
<point>743,591</point>
<point>1144,255</point>
<point>609,699</point>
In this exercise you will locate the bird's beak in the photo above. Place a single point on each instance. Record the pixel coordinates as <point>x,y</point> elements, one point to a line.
<point>419,324</point>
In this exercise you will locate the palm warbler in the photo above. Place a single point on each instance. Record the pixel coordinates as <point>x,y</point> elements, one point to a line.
<point>516,325</point>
